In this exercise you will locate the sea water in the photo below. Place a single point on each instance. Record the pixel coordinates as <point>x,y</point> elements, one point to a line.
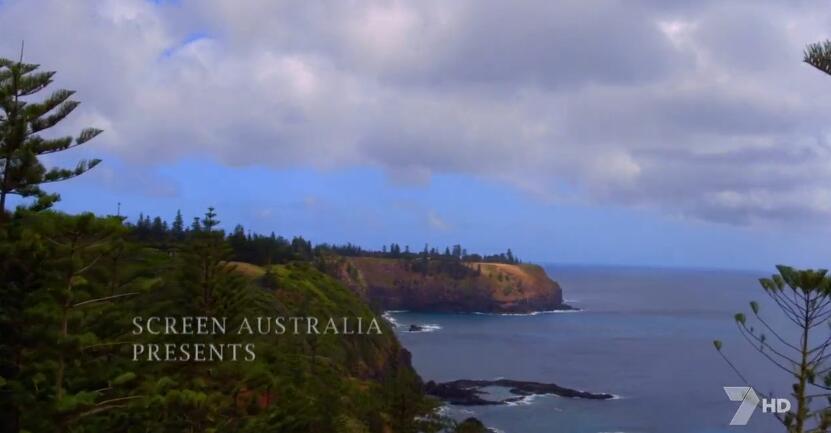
<point>644,335</point>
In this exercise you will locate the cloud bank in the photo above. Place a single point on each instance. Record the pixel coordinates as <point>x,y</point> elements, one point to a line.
<point>699,109</point>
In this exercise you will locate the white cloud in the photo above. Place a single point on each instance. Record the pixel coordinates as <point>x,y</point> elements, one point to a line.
<point>695,108</point>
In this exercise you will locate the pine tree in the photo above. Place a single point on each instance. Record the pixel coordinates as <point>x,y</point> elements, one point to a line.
<point>211,284</point>
<point>196,225</point>
<point>210,221</point>
<point>178,227</point>
<point>142,228</point>
<point>157,229</point>
<point>818,55</point>
<point>804,298</point>
<point>196,398</point>
<point>67,358</point>
<point>21,122</point>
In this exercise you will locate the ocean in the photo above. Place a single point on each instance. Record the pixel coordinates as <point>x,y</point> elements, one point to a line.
<point>643,334</point>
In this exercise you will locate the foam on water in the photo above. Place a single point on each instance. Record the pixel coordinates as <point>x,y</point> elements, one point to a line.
<point>388,316</point>
<point>427,327</point>
<point>532,313</point>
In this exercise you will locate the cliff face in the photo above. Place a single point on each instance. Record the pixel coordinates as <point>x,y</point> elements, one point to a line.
<point>302,290</point>
<point>372,369</point>
<point>415,285</point>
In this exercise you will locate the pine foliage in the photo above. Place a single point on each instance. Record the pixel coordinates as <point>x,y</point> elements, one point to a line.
<point>22,145</point>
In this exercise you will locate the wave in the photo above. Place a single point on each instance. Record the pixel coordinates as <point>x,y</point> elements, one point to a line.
<point>532,313</point>
<point>427,327</point>
<point>387,315</point>
<point>524,401</point>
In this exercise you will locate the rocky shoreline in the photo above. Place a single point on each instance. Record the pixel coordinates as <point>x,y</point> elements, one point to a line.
<point>465,392</point>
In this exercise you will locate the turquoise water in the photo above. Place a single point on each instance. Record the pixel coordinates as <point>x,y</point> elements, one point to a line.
<point>644,335</point>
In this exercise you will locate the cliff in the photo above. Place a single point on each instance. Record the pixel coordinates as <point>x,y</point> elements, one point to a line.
<point>301,290</point>
<point>447,285</point>
<point>334,372</point>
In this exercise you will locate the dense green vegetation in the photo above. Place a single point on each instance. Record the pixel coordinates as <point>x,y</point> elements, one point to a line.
<point>72,285</point>
<point>264,250</point>
<point>471,425</point>
<point>267,249</point>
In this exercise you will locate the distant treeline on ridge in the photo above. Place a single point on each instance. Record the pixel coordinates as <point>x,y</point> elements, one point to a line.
<point>270,249</point>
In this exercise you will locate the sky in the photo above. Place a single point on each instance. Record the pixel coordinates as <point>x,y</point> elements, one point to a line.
<point>637,132</point>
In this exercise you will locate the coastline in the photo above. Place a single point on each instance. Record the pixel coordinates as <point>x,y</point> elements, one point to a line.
<point>460,393</point>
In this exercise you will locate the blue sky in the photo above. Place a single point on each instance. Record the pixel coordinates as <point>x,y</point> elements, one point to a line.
<point>363,206</point>
<point>683,133</point>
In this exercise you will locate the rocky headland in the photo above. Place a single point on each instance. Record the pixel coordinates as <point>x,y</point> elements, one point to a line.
<point>452,287</point>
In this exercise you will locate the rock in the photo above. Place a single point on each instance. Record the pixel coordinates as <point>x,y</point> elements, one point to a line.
<point>468,392</point>
<point>457,395</point>
<point>416,328</point>
<point>472,425</point>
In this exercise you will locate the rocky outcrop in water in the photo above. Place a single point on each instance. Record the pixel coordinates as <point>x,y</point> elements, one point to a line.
<point>469,392</point>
